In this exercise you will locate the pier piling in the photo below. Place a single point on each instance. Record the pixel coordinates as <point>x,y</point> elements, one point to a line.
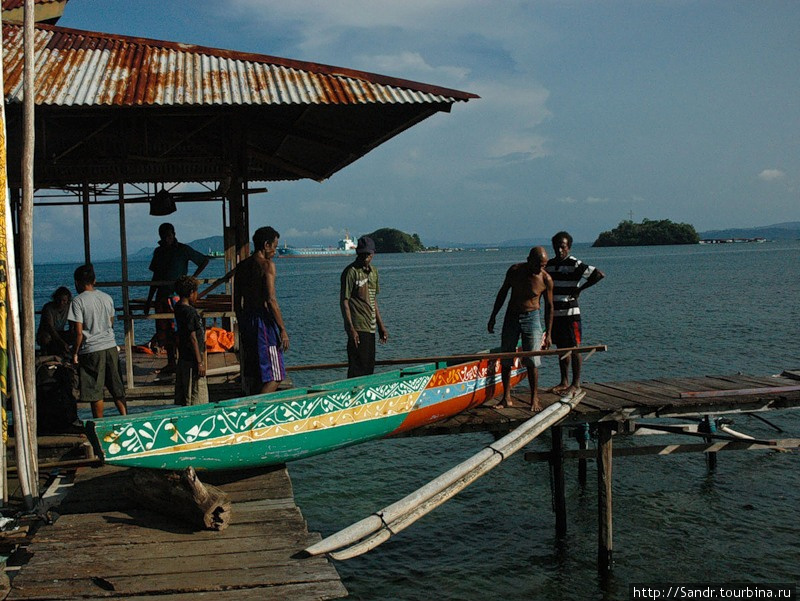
<point>605,543</point>
<point>557,480</point>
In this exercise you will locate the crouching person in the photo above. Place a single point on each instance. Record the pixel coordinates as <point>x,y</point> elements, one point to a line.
<point>190,377</point>
<point>91,314</point>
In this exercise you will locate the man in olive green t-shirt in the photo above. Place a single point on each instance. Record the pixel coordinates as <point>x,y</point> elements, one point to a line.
<point>359,303</point>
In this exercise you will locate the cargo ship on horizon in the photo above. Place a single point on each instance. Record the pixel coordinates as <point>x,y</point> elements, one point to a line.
<point>345,248</point>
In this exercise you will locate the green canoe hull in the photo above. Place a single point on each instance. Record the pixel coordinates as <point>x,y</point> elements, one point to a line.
<point>288,425</point>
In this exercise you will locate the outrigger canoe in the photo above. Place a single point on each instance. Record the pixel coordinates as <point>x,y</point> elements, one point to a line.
<point>287,425</point>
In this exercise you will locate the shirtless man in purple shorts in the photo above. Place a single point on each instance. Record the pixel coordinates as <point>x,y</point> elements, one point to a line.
<point>264,338</point>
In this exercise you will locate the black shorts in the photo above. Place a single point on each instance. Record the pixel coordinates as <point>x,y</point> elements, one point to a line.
<point>361,359</point>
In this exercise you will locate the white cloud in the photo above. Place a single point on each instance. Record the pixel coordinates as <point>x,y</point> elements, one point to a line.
<point>413,62</point>
<point>567,200</point>
<point>595,200</point>
<point>323,206</point>
<point>770,175</point>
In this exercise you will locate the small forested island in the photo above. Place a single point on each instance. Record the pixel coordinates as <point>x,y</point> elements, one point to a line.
<point>388,240</point>
<point>648,233</point>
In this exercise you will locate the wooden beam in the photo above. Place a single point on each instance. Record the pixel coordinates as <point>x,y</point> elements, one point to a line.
<point>583,444</point>
<point>557,483</point>
<point>782,444</point>
<point>700,394</point>
<point>605,533</point>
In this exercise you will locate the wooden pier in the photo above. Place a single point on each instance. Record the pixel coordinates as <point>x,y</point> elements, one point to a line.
<point>639,399</point>
<point>103,546</point>
<point>638,407</point>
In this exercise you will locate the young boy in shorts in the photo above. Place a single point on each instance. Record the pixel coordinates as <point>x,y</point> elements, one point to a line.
<point>191,387</point>
<point>91,314</point>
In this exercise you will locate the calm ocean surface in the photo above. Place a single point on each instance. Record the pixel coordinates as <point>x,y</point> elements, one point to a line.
<point>663,312</point>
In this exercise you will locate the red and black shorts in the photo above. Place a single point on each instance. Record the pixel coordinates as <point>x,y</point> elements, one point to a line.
<point>566,332</point>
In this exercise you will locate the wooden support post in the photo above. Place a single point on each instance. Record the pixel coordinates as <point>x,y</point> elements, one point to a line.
<point>605,545</point>
<point>87,245</point>
<point>557,482</point>
<point>708,426</point>
<point>126,305</point>
<point>582,436</point>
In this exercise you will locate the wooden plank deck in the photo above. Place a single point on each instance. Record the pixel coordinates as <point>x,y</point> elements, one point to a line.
<point>151,387</point>
<point>103,546</point>
<point>653,398</point>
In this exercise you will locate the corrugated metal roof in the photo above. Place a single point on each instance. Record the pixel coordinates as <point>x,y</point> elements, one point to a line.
<point>83,68</point>
<point>49,11</point>
<point>14,4</point>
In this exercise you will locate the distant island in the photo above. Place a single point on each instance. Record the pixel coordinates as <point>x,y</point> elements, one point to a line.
<point>388,240</point>
<point>648,233</point>
<point>789,230</point>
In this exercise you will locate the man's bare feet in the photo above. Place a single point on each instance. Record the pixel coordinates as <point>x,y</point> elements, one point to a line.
<point>536,406</point>
<point>559,388</point>
<point>505,403</point>
<point>571,391</point>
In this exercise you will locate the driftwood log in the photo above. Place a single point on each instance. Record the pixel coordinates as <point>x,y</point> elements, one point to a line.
<point>182,495</point>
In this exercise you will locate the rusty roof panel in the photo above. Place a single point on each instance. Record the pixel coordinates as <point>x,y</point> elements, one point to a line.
<point>82,68</point>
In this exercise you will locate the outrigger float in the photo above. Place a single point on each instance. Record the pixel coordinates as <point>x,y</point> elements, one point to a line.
<point>287,425</point>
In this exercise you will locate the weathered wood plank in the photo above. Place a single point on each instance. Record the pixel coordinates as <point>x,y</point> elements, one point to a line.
<point>128,552</point>
<point>60,551</point>
<point>646,390</point>
<point>630,397</point>
<point>317,591</point>
<point>86,564</point>
<point>212,580</point>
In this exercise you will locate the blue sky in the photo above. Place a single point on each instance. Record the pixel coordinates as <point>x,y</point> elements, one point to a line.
<point>590,112</point>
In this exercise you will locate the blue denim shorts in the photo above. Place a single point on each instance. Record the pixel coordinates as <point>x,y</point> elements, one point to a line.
<point>527,326</point>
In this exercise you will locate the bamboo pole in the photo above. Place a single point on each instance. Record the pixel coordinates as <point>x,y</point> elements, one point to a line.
<point>216,283</point>
<point>458,358</point>
<point>5,226</point>
<point>415,360</point>
<point>379,527</point>
<point>25,448</point>
<point>27,310</point>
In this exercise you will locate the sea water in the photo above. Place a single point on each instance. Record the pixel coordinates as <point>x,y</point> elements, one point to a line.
<point>669,311</point>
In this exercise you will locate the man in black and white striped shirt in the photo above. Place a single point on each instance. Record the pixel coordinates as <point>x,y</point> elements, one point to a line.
<point>570,278</point>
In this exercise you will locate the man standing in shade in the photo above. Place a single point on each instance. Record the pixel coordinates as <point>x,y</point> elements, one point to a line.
<point>91,314</point>
<point>570,278</point>
<point>170,261</point>
<point>264,337</point>
<point>528,283</point>
<point>359,304</point>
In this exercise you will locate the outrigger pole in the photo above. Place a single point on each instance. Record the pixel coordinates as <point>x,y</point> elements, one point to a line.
<point>376,529</point>
<point>561,352</point>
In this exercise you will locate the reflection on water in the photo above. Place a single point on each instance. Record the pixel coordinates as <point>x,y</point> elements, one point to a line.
<point>663,312</point>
